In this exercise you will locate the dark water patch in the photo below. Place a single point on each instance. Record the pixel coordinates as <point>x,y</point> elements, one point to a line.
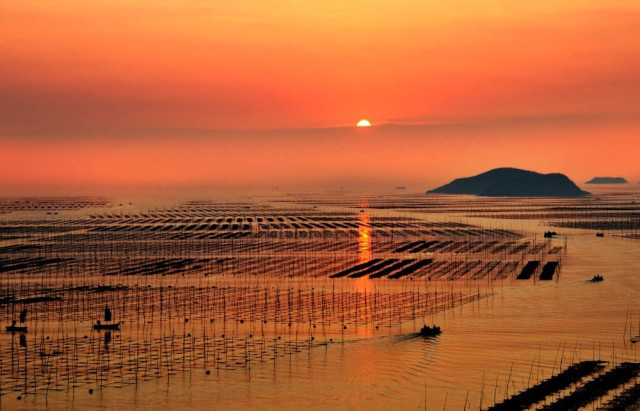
<point>554,384</point>
<point>596,388</point>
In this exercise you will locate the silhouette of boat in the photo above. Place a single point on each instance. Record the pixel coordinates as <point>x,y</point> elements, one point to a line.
<point>108,326</point>
<point>427,331</point>
<point>599,234</point>
<point>16,328</point>
<point>597,278</point>
<point>550,234</point>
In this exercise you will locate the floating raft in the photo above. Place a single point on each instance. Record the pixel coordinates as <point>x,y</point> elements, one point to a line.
<point>411,269</point>
<point>627,399</point>
<point>389,269</point>
<point>549,270</point>
<point>528,270</point>
<point>596,388</point>
<point>356,268</point>
<point>554,384</point>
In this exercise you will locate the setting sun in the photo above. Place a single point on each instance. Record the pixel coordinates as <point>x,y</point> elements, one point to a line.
<point>363,123</point>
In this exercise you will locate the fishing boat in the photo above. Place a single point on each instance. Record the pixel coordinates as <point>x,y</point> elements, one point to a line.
<point>599,234</point>
<point>16,328</point>
<point>427,331</point>
<point>106,326</point>
<point>597,278</point>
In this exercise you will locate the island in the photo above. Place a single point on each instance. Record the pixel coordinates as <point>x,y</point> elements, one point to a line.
<point>513,182</point>
<point>607,180</point>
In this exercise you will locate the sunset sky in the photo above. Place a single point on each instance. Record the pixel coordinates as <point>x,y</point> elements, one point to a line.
<point>97,94</point>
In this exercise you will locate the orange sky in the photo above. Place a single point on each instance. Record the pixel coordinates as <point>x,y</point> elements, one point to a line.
<point>107,93</point>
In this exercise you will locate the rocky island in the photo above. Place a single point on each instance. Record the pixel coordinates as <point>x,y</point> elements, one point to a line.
<point>513,182</point>
<point>607,180</point>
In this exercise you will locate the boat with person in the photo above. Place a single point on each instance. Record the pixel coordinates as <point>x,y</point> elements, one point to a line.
<point>427,331</point>
<point>107,324</point>
<point>16,328</point>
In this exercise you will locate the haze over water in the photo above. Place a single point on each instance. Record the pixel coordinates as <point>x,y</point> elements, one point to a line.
<point>139,93</point>
<point>223,204</point>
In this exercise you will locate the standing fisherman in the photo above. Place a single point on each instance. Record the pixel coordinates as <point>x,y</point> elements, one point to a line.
<point>107,314</point>
<point>23,316</point>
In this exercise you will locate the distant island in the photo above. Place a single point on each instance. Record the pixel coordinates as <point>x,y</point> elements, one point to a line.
<point>607,180</point>
<point>512,182</point>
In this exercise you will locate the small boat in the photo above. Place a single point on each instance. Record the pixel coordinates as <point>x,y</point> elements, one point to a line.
<point>550,234</point>
<point>16,328</point>
<point>427,331</point>
<point>597,278</point>
<point>106,326</point>
<point>599,234</point>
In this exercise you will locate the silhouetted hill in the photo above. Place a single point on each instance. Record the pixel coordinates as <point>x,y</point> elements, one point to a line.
<point>607,180</point>
<point>513,182</point>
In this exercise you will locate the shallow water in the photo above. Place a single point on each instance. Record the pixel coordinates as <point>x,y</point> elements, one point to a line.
<point>521,333</point>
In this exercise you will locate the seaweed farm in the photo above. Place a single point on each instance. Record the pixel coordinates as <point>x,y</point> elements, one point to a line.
<point>281,301</point>
<point>319,205</point>
<point>617,212</point>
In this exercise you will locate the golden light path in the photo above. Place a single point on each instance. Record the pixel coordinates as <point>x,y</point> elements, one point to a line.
<point>365,254</point>
<point>364,239</point>
<point>363,123</point>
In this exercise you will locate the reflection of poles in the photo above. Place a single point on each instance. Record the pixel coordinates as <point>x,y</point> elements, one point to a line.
<point>481,391</point>
<point>1,373</point>
<point>107,340</point>
<point>26,363</point>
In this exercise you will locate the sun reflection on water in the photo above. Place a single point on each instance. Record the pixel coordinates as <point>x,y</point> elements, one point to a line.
<point>364,238</point>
